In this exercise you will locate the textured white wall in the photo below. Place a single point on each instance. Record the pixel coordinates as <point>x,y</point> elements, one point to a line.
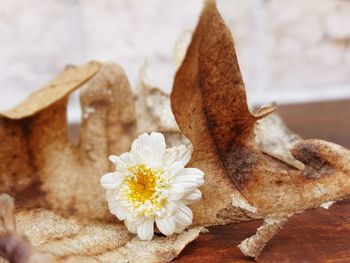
<point>308,47</point>
<point>289,50</point>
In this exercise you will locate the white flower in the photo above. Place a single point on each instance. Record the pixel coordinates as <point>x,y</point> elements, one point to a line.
<point>150,185</point>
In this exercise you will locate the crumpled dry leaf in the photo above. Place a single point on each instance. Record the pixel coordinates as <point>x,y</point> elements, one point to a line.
<point>62,207</point>
<point>209,104</point>
<point>253,245</point>
<point>56,239</point>
<point>275,139</point>
<point>14,247</point>
<point>68,218</point>
<point>37,149</point>
<point>154,113</point>
<point>16,167</point>
<point>153,107</point>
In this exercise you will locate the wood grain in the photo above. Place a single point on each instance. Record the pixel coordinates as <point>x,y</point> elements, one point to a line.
<point>323,120</point>
<point>317,235</point>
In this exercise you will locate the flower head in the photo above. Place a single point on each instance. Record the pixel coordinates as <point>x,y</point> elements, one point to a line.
<point>151,185</point>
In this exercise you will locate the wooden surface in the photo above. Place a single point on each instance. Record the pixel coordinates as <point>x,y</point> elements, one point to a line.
<point>317,235</point>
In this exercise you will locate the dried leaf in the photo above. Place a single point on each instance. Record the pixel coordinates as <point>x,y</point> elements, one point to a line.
<point>210,107</point>
<point>38,152</point>
<point>275,139</point>
<point>153,107</point>
<point>14,247</point>
<point>253,245</point>
<point>154,113</point>
<point>43,169</point>
<point>56,239</point>
<point>16,167</point>
<point>62,206</point>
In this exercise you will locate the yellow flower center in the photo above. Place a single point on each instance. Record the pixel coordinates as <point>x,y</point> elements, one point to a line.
<point>142,185</point>
<point>142,188</point>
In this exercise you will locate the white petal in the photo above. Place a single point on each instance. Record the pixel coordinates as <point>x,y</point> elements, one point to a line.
<point>191,172</point>
<point>181,153</point>
<point>179,228</point>
<point>182,217</point>
<point>176,192</point>
<point>166,225</point>
<point>187,187</point>
<point>132,223</point>
<point>140,142</point>
<point>112,180</point>
<point>123,161</point>
<point>193,179</point>
<point>131,226</point>
<point>170,207</point>
<point>177,153</point>
<point>137,219</point>
<point>149,149</point>
<point>113,158</point>
<point>175,168</point>
<point>192,197</point>
<point>170,156</point>
<point>127,158</point>
<point>189,179</point>
<point>145,230</point>
<point>145,156</point>
<point>118,209</point>
<point>117,162</point>
<point>158,144</point>
<point>110,195</point>
<point>112,206</point>
<point>185,155</point>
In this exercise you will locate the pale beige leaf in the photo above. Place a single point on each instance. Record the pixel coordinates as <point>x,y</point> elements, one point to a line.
<point>14,247</point>
<point>56,239</point>
<point>275,139</point>
<point>64,83</point>
<point>253,245</point>
<point>153,107</point>
<point>43,169</point>
<point>154,113</point>
<point>39,160</point>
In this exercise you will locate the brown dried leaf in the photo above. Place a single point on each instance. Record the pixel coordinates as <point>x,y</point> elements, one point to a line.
<point>38,155</point>
<point>153,107</point>
<point>154,113</point>
<point>7,220</point>
<point>209,104</point>
<point>62,207</point>
<point>16,154</point>
<point>253,245</point>
<point>275,139</point>
<point>14,247</point>
<point>56,239</point>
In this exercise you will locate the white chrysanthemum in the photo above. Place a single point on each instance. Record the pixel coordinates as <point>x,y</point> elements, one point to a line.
<point>151,184</point>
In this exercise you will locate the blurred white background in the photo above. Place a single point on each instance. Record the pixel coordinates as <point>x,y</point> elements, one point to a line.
<point>289,50</point>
